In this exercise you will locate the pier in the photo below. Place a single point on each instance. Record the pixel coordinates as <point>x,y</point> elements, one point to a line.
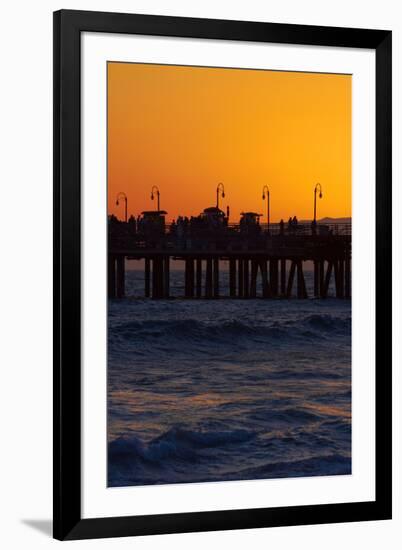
<point>263,261</point>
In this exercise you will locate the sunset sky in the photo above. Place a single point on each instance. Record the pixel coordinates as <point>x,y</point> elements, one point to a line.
<point>185,129</point>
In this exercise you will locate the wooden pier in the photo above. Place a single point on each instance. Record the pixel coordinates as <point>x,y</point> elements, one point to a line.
<point>263,262</point>
<point>279,271</point>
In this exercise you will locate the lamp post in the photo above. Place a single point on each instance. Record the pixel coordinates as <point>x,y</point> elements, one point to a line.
<point>265,189</point>
<point>155,188</point>
<point>220,188</point>
<point>123,196</point>
<point>316,188</point>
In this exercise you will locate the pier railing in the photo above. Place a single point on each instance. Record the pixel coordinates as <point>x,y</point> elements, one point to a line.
<point>302,228</point>
<point>228,236</point>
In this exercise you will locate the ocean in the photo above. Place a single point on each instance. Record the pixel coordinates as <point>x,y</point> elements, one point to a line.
<point>227,389</point>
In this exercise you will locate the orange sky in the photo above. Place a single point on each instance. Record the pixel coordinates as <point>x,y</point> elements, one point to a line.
<point>185,129</point>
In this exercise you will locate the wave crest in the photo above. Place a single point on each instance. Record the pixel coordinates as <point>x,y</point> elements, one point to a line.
<point>175,443</point>
<point>234,331</point>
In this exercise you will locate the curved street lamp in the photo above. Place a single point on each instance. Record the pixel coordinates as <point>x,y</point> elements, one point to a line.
<point>316,188</point>
<point>156,190</point>
<point>122,196</point>
<point>221,188</point>
<point>265,193</point>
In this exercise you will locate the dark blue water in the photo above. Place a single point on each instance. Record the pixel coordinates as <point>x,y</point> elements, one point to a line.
<point>209,390</point>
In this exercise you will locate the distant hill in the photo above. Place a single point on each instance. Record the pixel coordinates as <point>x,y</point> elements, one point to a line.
<point>329,220</point>
<point>335,220</point>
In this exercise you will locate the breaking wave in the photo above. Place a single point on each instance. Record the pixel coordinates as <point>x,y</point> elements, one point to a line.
<point>168,457</point>
<point>157,331</point>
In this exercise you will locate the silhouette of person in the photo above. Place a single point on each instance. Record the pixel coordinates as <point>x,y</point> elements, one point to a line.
<point>281,227</point>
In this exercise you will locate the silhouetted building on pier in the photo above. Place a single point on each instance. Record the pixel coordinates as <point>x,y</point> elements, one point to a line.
<point>214,217</point>
<point>250,223</point>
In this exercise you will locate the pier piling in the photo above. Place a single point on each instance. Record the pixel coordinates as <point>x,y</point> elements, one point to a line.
<point>341,278</point>
<point>273,276</point>
<point>337,282</point>
<point>283,276</point>
<point>208,279</point>
<point>321,271</point>
<point>290,280</point>
<point>198,284</point>
<point>325,287</point>
<point>253,281</point>
<point>347,278</point>
<point>111,278</point>
<point>240,292</point>
<point>266,288</point>
<point>316,279</point>
<point>154,279</point>
<point>166,276</point>
<point>246,282</point>
<point>147,275</point>
<point>216,277</point>
<point>189,278</point>
<point>232,278</point>
<point>301,283</point>
<point>120,277</point>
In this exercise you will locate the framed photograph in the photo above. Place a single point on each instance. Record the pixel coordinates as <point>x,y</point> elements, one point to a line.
<point>222,274</point>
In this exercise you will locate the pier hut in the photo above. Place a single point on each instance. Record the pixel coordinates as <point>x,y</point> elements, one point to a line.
<point>214,216</point>
<point>250,223</point>
<point>152,227</point>
<point>152,222</point>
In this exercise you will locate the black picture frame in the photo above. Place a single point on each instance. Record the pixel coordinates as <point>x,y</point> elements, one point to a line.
<point>68,522</point>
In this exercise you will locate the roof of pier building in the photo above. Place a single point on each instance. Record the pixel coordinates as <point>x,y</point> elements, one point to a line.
<point>213,211</point>
<point>154,213</point>
<point>250,216</point>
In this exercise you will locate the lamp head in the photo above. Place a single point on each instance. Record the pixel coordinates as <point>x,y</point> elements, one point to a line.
<point>223,194</point>
<point>117,202</point>
<point>263,196</point>
<point>152,196</point>
<point>320,195</point>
